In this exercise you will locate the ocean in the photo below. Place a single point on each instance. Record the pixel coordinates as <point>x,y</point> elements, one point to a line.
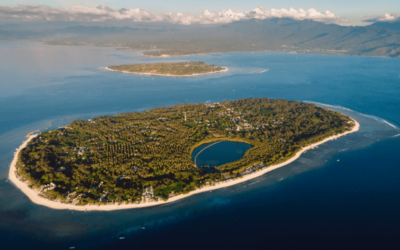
<point>345,194</point>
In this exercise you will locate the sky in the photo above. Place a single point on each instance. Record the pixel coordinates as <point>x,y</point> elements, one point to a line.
<point>354,11</point>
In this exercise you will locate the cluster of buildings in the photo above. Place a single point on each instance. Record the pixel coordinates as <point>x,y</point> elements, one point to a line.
<point>213,105</point>
<point>80,151</point>
<point>76,199</point>
<point>103,196</point>
<point>148,194</point>
<point>69,194</point>
<point>244,124</point>
<point>252,168</point>
<point>60,169</point>
<point>246,171</point>
<point>48,187</point>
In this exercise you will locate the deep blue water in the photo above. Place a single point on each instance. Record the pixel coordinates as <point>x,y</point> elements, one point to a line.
<point>219,153</point>
<point>316,202</point>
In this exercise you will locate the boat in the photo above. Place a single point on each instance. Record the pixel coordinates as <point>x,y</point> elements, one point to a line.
<point>121,238</point>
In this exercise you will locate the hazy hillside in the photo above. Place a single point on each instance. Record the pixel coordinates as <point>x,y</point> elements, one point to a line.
<point>288,35</point>
<point>392,26</point>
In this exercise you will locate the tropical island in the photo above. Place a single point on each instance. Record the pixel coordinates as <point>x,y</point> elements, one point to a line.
<point>144,158</point>
<point>179,69</point>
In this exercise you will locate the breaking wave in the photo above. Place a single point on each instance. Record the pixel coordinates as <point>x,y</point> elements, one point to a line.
<point>369,116</point>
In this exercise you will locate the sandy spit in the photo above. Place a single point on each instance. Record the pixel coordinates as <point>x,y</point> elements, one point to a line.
<point>33,195</point>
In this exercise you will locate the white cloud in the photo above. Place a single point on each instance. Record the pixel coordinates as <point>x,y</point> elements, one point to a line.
<point>102,13</point>
<point>382,18</point>
<point>311,14</point>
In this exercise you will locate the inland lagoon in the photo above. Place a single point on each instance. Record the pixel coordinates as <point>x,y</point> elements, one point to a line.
<point>218,153</point>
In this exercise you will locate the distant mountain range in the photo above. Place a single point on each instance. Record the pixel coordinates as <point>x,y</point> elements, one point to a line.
<point>392,26</point>
<point>277,34</point>
<point>295,35</point>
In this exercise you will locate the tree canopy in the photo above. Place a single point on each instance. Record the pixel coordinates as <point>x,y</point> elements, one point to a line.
<point>114,158</point>
<point>171,69</point>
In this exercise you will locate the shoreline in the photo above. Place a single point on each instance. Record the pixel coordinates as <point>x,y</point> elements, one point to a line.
<point>205,53</point>
<point>31,133</point>
<point>256,51</point>
<point>151,74</point>
<point>33,195</point>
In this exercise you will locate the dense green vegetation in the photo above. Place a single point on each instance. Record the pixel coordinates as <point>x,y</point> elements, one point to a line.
<point>113,159</point>
<point>174,69</point>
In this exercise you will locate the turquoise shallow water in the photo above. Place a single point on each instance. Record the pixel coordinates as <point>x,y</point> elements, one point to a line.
<point>315,202</point>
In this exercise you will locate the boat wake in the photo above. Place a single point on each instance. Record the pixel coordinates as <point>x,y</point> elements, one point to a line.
<point>397,135</point>
<point>259,71</point>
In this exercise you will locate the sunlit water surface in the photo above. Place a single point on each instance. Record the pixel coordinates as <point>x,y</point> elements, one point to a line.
<point>316,202</point>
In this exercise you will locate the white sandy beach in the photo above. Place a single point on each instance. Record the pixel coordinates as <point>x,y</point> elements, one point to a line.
<point>225,69</point>
<point>33,195</point>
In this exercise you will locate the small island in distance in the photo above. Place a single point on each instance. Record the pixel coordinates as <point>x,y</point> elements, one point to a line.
<point>145,158</point>
<point>179,69</point>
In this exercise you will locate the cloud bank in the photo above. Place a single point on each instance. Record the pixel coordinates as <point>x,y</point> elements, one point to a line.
<point>382,18</point>
<point>102,13</point>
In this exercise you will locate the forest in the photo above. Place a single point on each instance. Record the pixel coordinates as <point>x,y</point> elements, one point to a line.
<point>146,156</point>
<point>170,69</point>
